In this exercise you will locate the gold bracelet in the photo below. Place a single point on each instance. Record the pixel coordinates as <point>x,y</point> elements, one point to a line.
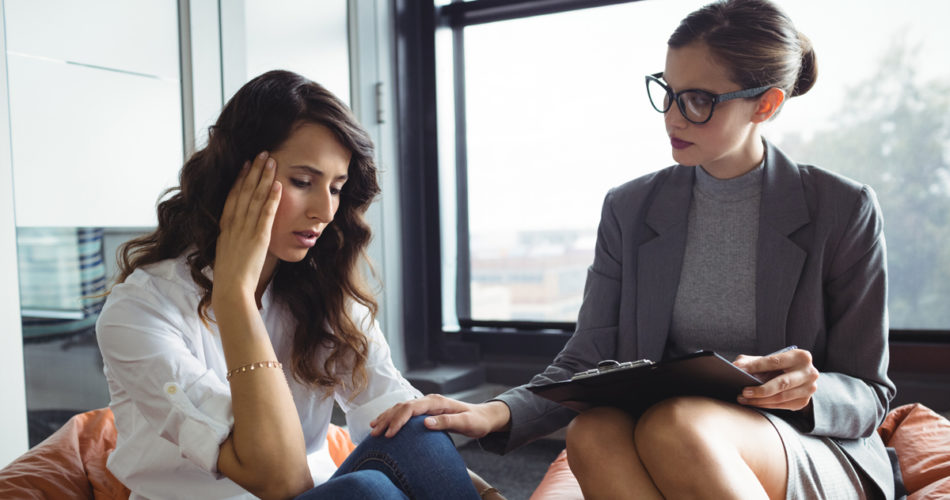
<point>254,366</point>
<point>486,491</point>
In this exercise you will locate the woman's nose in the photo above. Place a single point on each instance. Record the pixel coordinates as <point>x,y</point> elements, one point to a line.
<point>674,117</point>
<point>321,207</point>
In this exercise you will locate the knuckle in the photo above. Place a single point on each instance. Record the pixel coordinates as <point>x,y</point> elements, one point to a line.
<point>804,355</point>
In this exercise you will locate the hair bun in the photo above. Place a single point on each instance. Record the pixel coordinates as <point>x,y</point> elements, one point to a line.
<point>808,72</point>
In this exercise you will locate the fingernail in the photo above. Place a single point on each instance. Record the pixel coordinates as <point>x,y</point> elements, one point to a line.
<point>262,155</point>
<point>743,400</point>
<point>270,163</point>
<point>747,393</point>
<point>430,421</point>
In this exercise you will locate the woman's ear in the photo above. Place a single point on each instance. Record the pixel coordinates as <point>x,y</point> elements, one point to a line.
<point>769,104</point>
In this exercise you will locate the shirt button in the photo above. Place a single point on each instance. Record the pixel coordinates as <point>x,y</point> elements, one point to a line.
<point>172,389</point>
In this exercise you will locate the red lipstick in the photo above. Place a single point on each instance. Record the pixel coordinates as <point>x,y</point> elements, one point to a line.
<point>679,143</point>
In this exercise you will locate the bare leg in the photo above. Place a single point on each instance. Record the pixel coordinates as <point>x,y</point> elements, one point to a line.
<point>703,448</point>
<point>603,456</point>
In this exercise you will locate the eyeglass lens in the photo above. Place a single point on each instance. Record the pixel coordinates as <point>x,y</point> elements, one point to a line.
<point>695,106</point>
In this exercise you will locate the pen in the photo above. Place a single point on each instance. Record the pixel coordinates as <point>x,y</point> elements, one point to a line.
<point>780,351</point>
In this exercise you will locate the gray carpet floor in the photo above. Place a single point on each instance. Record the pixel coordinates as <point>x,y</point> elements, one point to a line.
<point>516,474</point>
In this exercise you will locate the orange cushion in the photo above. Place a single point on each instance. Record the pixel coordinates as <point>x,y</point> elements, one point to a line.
<point>71,463</point>
<point>922,440</point>
<point>338,440</point>
<point>559,482</point>
<point>938,490</point>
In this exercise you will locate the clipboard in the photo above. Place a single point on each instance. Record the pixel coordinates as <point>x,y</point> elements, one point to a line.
<point>636,385</point>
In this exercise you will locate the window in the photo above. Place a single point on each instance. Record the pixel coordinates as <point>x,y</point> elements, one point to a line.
<point>541,111</point>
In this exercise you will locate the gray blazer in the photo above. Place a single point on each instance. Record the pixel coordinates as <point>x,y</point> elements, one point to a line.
<point>821,284</point>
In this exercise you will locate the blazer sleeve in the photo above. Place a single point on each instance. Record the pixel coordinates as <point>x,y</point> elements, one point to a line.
<point>594,339</point>
<point>853,389</point>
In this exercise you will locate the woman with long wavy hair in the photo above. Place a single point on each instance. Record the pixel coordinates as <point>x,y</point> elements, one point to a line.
<point>235,325</point>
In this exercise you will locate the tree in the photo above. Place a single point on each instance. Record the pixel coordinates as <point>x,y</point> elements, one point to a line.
<point>892,133</point>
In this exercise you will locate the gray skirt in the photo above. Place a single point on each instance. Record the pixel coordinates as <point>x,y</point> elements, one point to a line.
<point>817,468</point>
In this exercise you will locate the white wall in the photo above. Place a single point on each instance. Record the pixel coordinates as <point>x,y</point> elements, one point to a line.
<point>13,430</point>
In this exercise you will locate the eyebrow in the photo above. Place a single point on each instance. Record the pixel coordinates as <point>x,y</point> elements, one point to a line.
<point>315,171</point>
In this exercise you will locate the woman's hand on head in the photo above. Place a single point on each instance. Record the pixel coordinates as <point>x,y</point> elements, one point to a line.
<point>790,380</point>
<point>245,223</point>
<point>445,414</point>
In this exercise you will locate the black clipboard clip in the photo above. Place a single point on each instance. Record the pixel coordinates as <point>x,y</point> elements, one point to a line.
<point>610,365</point>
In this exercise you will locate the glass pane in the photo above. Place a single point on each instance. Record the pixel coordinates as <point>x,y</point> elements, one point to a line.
<point>557,114</point>
<point>95,123</point>
<point>137,37</point>
<point>96,135</point>
<point>881,115</point>
<point>95,151</point>
<point>61,269</point>
<point>553,122</point>
<point>310,39</point>
<point>62,279</point>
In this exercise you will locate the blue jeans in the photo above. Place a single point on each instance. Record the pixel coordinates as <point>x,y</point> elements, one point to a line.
<point>416,463</point>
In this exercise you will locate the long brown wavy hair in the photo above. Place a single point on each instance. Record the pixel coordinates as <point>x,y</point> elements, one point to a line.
<point>319,289</point>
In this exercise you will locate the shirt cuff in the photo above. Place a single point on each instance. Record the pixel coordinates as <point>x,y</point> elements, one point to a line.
<point>358,419</point>
<point>199,421</point>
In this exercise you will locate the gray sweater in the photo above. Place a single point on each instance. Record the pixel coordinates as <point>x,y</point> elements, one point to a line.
<point>715,301</point>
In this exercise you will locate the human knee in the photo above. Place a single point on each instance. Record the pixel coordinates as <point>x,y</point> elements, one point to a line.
<point>679,422</point>
<point>415,425</point>
<point>599,421</point>
<point>415,435</point>
<point>597,428</point>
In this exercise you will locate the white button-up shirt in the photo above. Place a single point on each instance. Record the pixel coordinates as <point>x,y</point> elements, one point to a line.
<point>172,404</point>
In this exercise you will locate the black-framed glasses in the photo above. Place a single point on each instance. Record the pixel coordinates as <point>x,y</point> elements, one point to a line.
<point>696,105</point>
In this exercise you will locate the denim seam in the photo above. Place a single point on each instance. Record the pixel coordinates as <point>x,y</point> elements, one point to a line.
<point>403,484</point>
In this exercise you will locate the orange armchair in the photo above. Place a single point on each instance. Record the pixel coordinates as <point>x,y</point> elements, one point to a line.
<point>71,463</point>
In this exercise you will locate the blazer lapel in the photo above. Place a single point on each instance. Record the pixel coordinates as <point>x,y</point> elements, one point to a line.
<point>779,260</point>
<point>660,260</point>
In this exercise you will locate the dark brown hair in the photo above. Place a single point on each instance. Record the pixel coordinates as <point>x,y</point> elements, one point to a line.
<point>318,290</point>
<point>757,42</point>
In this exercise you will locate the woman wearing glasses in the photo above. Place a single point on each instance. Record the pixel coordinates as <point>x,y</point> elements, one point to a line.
<point>736,249</point>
